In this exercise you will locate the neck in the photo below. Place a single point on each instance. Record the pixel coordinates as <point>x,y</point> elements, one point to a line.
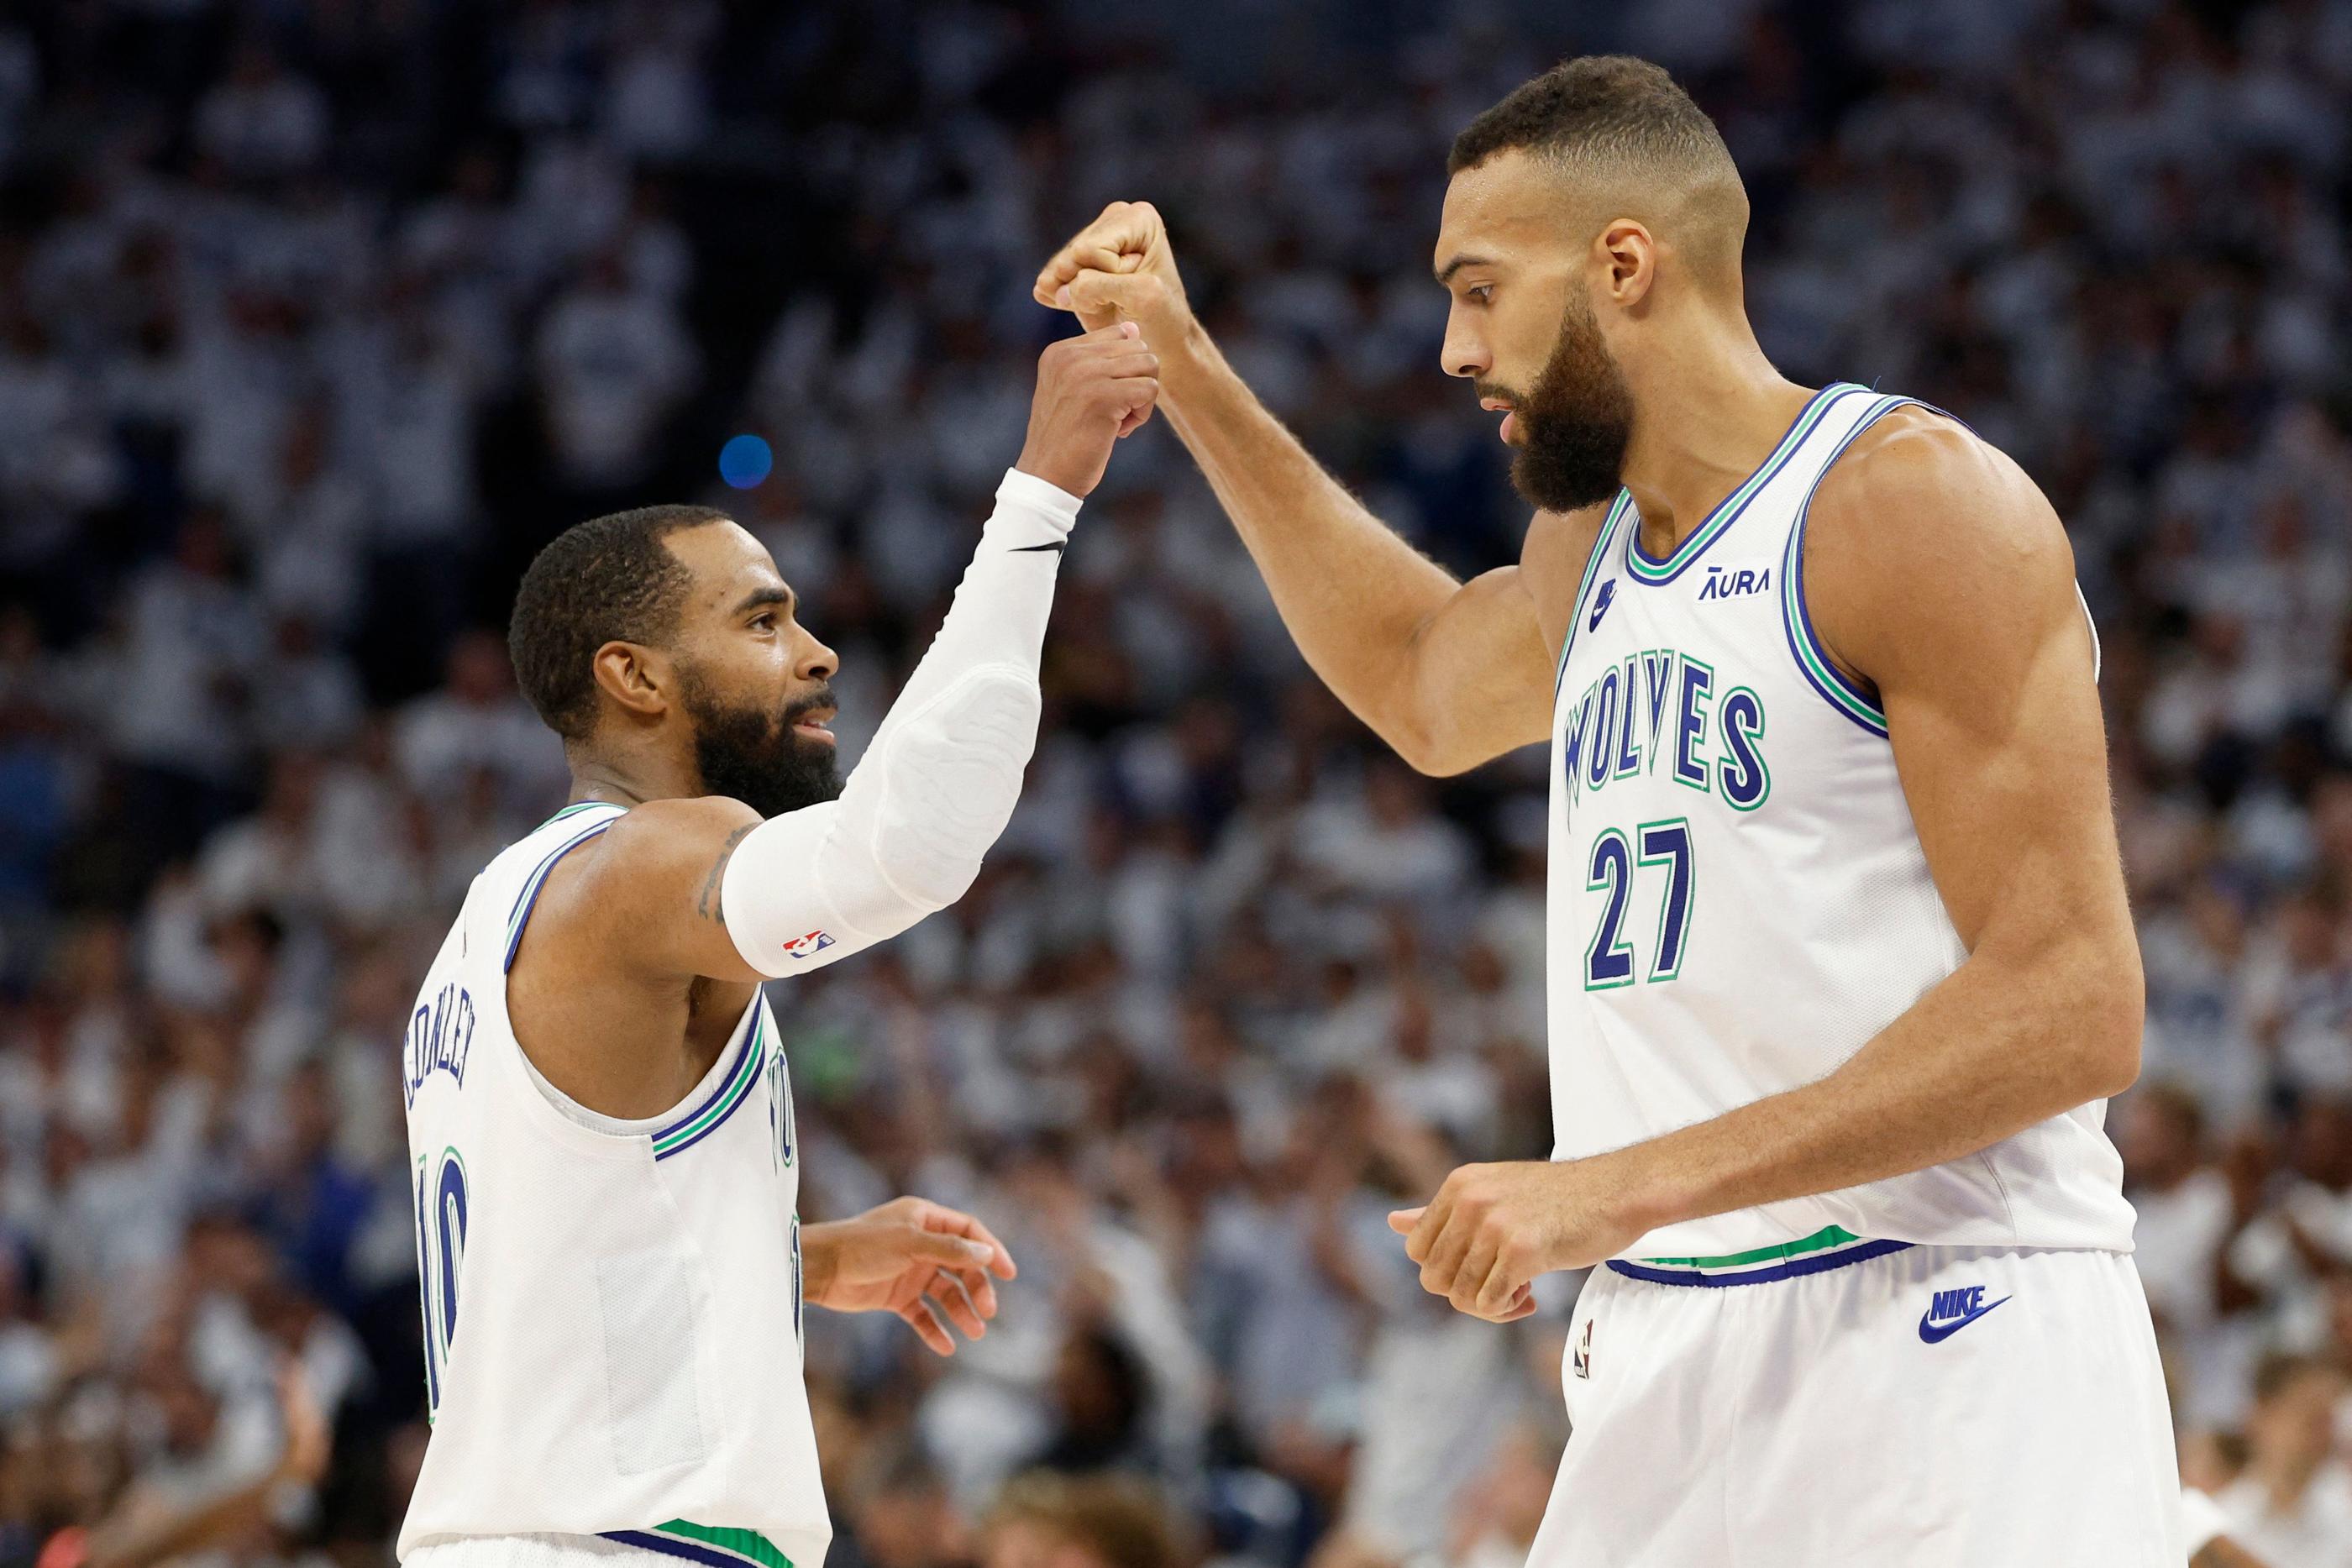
<point>1708,412</point>
<point>629,782</point>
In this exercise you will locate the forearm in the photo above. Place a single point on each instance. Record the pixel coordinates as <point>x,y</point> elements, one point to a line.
<point>1353,593</point>
<point>820,1258</point>
<point>998,616</point>
<point>940,780</point>
<point>1993,1049</point>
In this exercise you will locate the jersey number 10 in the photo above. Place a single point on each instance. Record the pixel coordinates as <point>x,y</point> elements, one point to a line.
<point>1608,960</point>
<point>440,1255</point>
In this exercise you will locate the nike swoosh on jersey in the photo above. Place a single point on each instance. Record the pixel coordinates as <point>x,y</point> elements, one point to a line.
<point>1600,606</point>
<point>1932,1332</point>
<point>1056,546</point>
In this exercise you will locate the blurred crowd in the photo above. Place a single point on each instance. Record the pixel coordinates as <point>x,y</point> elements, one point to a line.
<point>316,320</point>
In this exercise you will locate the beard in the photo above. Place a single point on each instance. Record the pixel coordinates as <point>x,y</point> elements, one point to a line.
<point>1575,422</point>
<point>754,755</point>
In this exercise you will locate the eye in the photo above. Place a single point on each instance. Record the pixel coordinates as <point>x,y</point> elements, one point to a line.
<point>1481,292</point>
<point>765,621</point>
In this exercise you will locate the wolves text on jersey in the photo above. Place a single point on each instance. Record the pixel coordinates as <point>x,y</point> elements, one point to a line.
<point>440,1034</point>
<point>1663,709</point>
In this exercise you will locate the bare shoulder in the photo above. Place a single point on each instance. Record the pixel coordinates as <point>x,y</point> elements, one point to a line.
<point>1551,563</point>
<point>642,862</point>
<point>1920,525</point>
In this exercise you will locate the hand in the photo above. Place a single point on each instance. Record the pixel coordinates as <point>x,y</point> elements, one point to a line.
<point>918,1258</point>
<point>1120,268</point>
<point>1090,392</point>
<point>1491,1230</point>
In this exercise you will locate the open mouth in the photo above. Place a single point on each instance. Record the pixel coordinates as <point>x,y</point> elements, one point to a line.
<point>814,724</point>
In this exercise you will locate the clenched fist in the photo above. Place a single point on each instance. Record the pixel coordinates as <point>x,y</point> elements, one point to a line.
<point>1119,268</point>
<point>1492,1229</point>
<point>1090,392</point>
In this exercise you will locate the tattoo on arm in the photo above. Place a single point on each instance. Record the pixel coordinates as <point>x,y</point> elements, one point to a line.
<point>708,905</point>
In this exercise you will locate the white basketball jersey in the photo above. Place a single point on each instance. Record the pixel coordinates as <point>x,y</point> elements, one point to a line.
<point>611,1309</point>
<point>1738,901</point>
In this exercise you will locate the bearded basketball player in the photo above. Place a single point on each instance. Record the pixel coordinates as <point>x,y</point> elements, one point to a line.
<point>607,1192</point>
<point>1842,970</point>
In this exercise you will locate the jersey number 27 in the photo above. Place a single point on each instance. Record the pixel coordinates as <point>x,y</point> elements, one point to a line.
<point>1608,960</point>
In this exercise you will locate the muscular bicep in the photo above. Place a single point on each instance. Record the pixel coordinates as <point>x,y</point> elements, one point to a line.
<point>1937,570</point>
<point>1483,664</point>
<point>1481,673</point>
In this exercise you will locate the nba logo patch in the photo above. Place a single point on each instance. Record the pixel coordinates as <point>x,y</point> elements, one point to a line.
<point>810,945</point>
<point>1580,1358</point>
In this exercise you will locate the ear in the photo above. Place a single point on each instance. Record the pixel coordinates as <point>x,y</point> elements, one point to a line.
<point>640,679</point>
<point>1628,257</point>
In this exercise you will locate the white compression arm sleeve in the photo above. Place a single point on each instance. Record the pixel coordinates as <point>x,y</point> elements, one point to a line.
<point>939,782</point>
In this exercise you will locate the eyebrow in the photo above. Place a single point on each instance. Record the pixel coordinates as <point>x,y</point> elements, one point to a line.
<point>772,593</point>
<point>1445,273</point>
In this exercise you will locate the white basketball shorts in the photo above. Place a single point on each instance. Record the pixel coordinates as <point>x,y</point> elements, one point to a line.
<point>1920,1407</point>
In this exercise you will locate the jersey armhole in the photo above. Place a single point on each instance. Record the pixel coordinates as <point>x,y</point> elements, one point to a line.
<point>1601,544</point>
<point>527,899</point>
<point>1821,672</point>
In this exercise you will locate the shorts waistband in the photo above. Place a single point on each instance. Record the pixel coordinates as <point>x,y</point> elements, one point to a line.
<point>1832,1246</point>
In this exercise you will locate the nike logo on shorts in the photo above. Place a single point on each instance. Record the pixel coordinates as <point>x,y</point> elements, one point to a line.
<point>1939,1321</point>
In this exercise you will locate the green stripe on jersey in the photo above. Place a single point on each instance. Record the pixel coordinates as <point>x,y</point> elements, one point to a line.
<point>747,1544</point>
<point>1592,569</point>
<point>1792,605</point>
<point>747,1073</point>
<point>1833,1235</point>
<point>1646,570</point>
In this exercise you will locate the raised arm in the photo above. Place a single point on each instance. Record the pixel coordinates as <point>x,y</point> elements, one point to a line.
<point>1449,674</point>
<point>1936,570</point>
<point>702,886</point>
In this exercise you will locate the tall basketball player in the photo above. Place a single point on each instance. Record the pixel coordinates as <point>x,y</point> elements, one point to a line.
<point>598,1105</point>
<point>1842,969</point>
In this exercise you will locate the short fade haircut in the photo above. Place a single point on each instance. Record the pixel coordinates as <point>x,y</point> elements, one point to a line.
<point>608,579</point>
<point>1625,122</point>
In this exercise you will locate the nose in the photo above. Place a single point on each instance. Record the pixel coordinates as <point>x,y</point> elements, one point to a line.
<point>816,662</point>
<point>1462,354</point>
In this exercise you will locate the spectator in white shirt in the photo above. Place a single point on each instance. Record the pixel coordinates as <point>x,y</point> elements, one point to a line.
<point>2293,1504</point>
<point>612,366</point>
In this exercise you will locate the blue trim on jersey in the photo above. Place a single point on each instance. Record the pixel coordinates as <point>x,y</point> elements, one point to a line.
<point>532,882</point>
<point>1821,1264</point>
<point>670,1546</point>
<point>1651,573</point>
<point>1796,619</point>
<point>528,899</point>
<point>1601,544</point>
<point>747,1067</point>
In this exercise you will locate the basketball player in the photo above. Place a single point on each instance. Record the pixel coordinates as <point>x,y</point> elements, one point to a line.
<point>1841,967</point>
<point>598,1105</point>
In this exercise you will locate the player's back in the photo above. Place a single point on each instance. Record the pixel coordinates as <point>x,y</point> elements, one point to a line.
<point>1738,898</point>
<point>611,1309</point>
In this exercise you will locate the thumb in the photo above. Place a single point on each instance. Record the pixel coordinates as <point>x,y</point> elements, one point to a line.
<point>1403,1220</point>
<point>1105,297</point>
